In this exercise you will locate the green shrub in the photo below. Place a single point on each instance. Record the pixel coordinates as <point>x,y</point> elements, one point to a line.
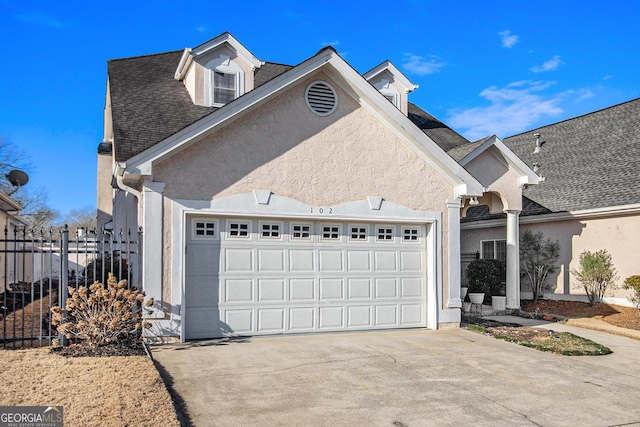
<point>632,284</point>
<point>100,315</point>
<point>486,275</point>
<point>111,264</point>
<point>596,274</point>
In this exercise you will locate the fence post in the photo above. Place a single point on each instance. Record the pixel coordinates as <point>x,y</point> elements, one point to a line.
<point>64,275</point>
<point>140,267</point>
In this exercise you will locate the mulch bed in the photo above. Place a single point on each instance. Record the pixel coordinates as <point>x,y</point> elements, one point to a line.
<point>617,315</point>
<point>124,348</point>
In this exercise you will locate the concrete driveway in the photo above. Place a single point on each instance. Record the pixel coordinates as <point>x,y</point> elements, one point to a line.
<point>401,378</point>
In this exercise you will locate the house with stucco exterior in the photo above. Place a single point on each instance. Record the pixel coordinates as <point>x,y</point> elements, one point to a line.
<point>281,199</point>
<point>589,199</point>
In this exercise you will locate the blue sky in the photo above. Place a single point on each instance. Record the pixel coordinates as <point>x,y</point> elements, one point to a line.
<point>498,67</point>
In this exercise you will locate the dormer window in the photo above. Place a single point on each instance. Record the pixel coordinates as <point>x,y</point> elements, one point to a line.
<point>224,87</point>
<point>225,81</point>
<point>389,91</point>
<point>391,98</point>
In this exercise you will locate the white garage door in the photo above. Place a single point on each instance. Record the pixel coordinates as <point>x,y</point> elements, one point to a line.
<point>263,276</point>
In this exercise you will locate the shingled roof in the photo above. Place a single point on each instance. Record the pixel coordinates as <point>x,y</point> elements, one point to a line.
<point>148,104</point>
<point>441,134</point>
<point>588,162</point>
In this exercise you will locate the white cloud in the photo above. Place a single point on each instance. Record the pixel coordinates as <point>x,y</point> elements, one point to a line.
<point>513,109</point>
<point>549,65</point>
<point>420,66</point>
<point>508,40</point>
<point>334,43</point>
<point>584,94</point>
<point>607,77</point>
<point>201,29</point>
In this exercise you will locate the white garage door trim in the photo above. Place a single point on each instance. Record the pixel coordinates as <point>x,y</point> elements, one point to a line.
<point>249,276</point>
<point>267,205</point>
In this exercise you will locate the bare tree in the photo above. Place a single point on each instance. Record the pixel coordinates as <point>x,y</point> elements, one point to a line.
<point>82,218</point>
<point>36,211</point>
<point>538,257</point>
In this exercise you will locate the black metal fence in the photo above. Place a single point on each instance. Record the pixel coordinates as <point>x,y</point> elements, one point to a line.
<point>35,266</point>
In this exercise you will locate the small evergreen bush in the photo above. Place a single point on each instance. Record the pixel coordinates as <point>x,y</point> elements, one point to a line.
<point>486,275</point>
<point>100,315</point>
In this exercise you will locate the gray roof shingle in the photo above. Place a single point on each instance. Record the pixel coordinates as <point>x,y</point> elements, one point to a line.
<point>148,104</point>
<point>442,134</point>
<point>461,151</point>
<point>590,161</point>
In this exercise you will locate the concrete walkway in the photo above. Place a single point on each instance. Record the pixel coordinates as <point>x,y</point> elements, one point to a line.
<point>402,378</point>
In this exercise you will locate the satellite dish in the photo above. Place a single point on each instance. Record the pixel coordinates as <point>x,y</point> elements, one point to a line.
<point>17,178</point>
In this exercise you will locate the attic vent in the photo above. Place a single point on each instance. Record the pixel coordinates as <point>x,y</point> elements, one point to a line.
<point>321,98</point>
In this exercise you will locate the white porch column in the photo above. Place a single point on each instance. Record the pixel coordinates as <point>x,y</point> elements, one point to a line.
<point>152,244</point>
<point>453,220</point>
<point>513,260</point>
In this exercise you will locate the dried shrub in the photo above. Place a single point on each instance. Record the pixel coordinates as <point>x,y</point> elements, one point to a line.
<point>100,315</point>
<point>632,284</point>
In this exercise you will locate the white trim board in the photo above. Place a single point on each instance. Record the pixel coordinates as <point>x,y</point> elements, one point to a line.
<point>596,213</point>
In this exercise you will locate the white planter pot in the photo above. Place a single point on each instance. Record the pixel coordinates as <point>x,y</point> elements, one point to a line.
<point>463,292</point>
<point>476,297</point>
<point>466,307</point>
<point>499,303</point>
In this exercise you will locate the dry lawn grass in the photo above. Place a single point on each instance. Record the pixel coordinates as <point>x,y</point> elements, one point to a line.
<point>94,391</point>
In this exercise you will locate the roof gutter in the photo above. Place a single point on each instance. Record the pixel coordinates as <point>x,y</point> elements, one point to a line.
<point>583,214</point>
<point>183,66</point>
<point>10,202</point>
<point>124,187</point>
<point>119,173</point>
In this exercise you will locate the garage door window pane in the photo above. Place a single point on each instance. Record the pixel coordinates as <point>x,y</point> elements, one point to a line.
<point>385,233</point>
<point>270,231</point>
<point>239,229</point>
<point>358,233</point>
<point>204,229</point>
<point>410,235</point>
<point>301,232</point>
<point>330,232</point>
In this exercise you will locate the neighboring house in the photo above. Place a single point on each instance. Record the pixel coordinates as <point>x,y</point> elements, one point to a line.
<point>281,199</point>
<point>590,199</point>
<point>9,209</point>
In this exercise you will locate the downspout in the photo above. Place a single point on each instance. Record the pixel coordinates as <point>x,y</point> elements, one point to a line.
<point>127,189</point>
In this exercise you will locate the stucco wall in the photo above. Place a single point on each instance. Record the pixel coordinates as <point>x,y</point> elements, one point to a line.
<point>493,172</point>
<point>125,215</point>
<point>321,161</point>
<point>615,234</point>
<point>104,189</point>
